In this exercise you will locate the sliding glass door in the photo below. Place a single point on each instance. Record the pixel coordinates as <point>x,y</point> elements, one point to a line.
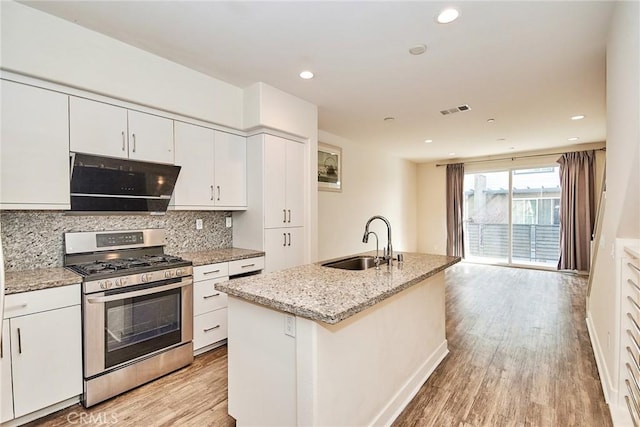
<point>512,216</point>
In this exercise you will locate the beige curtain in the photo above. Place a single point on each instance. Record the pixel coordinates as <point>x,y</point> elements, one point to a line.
<point>577,209</point>
<point>455,202</point>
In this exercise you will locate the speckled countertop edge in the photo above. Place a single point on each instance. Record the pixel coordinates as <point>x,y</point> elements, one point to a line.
<point>332,295</point>
<point>41,278</point>
<point>213,256</point>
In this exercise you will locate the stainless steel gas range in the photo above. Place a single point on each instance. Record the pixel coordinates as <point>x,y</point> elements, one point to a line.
<point>137,309</point>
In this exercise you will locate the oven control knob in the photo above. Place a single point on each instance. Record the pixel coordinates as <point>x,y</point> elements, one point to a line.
<point>168,274</point>
<point>107,284</point>
<point>144,278</point>
<point>102,286</point>
<point>178,272</point>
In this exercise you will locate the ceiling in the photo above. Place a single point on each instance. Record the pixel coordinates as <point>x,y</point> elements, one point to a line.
<point>528,65</point>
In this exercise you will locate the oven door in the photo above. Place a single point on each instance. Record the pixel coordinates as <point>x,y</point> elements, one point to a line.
<point>121,326</point>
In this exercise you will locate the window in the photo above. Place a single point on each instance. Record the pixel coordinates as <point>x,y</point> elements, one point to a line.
<point>513,216</point>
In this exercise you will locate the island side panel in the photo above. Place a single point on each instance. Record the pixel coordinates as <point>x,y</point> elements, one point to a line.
<point>367,368</point>
<point>261,363</point>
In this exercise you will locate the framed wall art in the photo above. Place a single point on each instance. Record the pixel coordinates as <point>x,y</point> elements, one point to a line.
<point>329,167</point>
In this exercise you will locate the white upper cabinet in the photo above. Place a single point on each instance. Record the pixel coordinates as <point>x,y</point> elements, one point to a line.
<point>230,169</point>
<point>108,130</point>
<point>150,138</point>
<point>97,128</point>
<point>214,169</point>
<point>283,182</point>
<point>194,153</point>
<point>34,148</point>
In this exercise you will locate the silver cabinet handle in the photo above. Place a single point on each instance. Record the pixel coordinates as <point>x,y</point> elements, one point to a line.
<point>289,234</point>
<point>1,349</point>
<point>123,141</point>
<point>211,329</point>
<point>212,272</point>
<point>19,342</point>
<point>212,192</point>
<point>211,296</point>
<point>247,265</point>
<point>284,235</point>
<point>284,215</point>
<point>13,307</point>
<point>289,210</point>
<point>218,187</point>
<point>634,267</point>
<point>99,300</point>
<point>133,135</point>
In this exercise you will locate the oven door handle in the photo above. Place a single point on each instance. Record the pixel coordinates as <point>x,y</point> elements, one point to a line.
<point>156,289</point>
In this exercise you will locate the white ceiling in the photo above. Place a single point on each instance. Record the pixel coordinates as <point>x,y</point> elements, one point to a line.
<point>528,65</point>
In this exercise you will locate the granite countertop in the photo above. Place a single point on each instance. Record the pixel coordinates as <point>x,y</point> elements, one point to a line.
<point>213,256</point>
<point>41,278</point>
<point>332,295</point>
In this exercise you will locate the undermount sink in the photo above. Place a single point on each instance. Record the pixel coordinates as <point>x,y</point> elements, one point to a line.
<point>361,262</point>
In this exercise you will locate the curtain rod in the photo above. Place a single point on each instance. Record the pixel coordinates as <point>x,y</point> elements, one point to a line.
<point>512,158</point>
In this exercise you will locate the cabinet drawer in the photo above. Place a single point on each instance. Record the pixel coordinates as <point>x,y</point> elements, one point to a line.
<point>246,265</point>
<point>209,328</point>
<point>42,300</point>
<point>206,297</point>
<point>210,271</point>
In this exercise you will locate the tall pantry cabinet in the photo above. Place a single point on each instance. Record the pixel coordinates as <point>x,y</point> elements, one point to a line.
<point>275,219</point>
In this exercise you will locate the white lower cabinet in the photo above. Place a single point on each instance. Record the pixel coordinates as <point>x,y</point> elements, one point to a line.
<point>210,305</point>
<point>284,248</point>
<point>6,406</point>
<point>44,366</point>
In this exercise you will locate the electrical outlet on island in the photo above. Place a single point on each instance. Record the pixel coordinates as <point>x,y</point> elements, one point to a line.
<point>199,224</point>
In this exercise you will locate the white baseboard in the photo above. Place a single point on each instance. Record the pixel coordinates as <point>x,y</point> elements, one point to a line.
<point>608,386</point>
<point>42,412</point>
<point>407,392</point>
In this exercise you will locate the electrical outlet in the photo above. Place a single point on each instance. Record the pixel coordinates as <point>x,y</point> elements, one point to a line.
<point>290,325</point>
<point>229,221</point>
<point>199,224</point>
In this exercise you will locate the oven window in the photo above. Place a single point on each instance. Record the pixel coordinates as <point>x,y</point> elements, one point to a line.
<point>141,325</point>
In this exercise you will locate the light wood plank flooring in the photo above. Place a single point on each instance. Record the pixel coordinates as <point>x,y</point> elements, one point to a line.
<point>519,355</point>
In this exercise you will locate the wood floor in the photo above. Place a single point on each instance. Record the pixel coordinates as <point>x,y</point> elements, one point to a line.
<point>519,356</point>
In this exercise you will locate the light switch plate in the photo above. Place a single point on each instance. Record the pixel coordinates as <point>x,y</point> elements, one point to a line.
<point>198,224</point>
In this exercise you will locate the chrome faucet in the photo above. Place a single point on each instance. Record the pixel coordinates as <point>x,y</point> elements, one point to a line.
<point>388,251</point>
<point>377,258</point>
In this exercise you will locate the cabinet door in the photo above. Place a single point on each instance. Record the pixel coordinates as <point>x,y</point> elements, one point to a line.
<point>230,168</point>
<point>295,182</point>
<point>46,358</point>
<point>34,153</point>
<point>150,138</point>
<point>274,181</point>
<point>6,405</point>
<point>295,246</point>
<point>97,128</point>
<point>194,152</point>
<point>275,247</point>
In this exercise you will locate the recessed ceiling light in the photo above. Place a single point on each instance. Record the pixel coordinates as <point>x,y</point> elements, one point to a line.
<point>418,49</point>
<point>501,139</point>
<point>306,75</point>
<point>389,119</point>
<point>447,16</point>
<point>574,138</point>
<point>452,154</point>
<point>428,141</point>
<point>491,120</point>
<point>512,148</point>
<point>578,117</point>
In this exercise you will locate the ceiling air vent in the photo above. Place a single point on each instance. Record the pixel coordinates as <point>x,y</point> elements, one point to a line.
<point>457,109</point>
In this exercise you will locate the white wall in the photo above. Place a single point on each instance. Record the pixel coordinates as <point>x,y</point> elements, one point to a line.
<point>42,45</point>
<point>373,183</point>
<point>432,208</point>
<point>622,212</point>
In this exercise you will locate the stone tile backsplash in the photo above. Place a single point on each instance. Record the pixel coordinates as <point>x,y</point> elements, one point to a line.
<point>35,239</point>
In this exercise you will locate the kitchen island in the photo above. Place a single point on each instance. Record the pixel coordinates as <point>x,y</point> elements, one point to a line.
<point>314,345</point>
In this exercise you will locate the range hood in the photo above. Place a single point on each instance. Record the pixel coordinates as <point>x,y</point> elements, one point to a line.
<point>109,185</point>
